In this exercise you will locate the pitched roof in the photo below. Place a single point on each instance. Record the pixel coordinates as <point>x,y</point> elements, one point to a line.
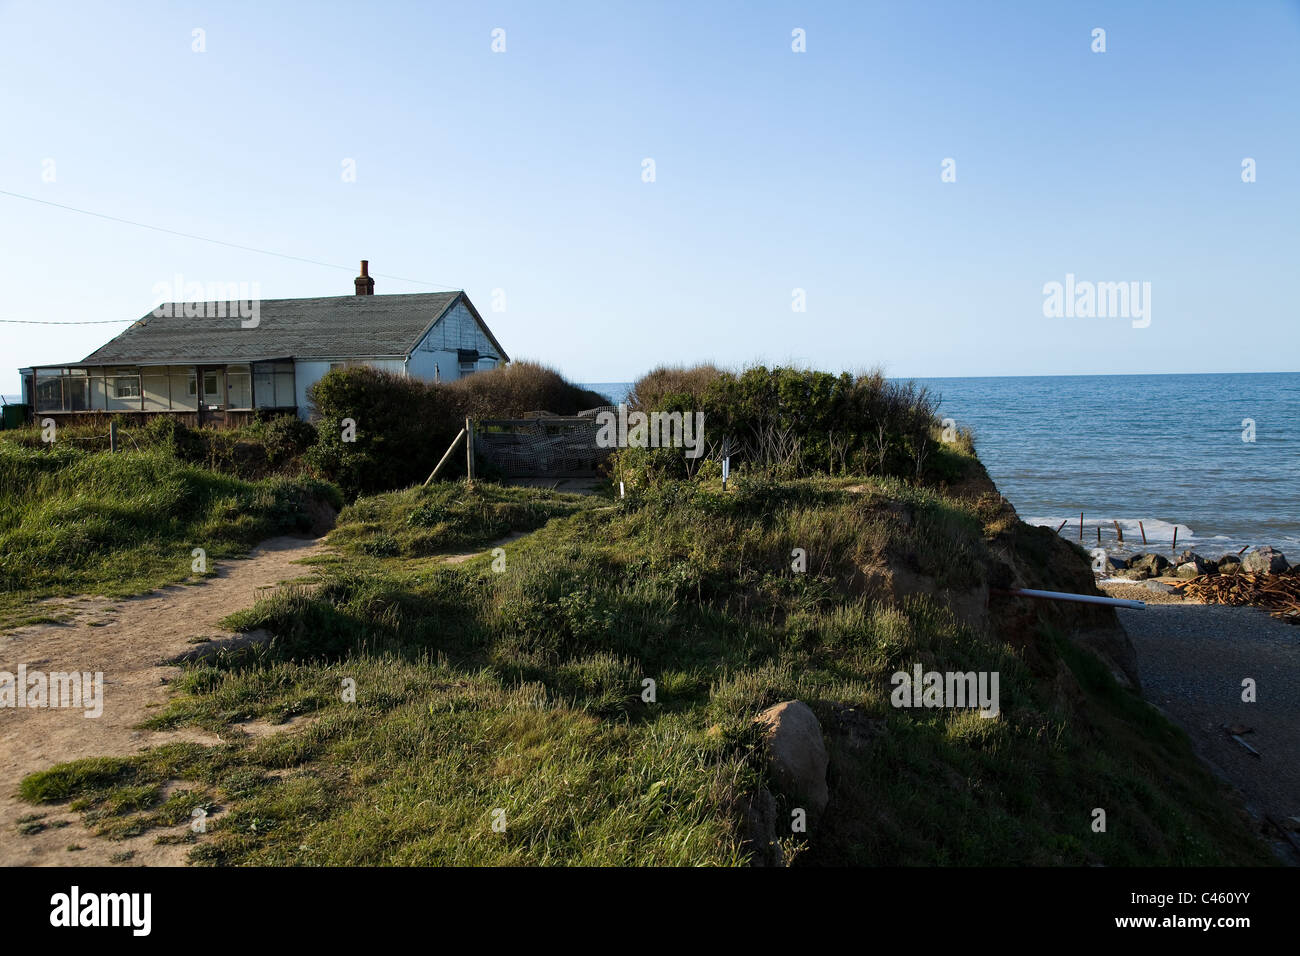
<point>338,326</point>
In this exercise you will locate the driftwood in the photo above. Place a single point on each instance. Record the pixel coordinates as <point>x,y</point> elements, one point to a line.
<point>1276,593</point>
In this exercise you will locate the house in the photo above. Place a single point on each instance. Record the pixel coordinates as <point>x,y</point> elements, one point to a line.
<point>220,362</point>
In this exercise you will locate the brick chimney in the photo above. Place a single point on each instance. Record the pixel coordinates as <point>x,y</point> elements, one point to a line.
<point>365,284</point>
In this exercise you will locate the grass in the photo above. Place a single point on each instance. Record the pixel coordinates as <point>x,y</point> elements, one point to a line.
<point>75,521</point>
<point>515,693</point>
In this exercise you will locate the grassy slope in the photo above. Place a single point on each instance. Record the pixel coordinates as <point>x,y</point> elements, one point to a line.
<point>75,521</point>
<point>521,690</point>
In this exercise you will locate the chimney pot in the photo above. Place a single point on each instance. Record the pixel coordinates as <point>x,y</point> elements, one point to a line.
<point>365,285</point>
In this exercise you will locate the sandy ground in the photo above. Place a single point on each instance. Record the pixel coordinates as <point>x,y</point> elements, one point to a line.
<point>126,639</point>
<point>1192,659</point>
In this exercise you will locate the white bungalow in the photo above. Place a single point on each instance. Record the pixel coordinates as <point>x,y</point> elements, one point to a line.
<point>214,364</point>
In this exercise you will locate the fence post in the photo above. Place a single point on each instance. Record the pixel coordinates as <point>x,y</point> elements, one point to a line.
<point>469,451</point>
<point>112,436</point>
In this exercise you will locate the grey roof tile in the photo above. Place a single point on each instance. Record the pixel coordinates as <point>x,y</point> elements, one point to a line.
<point>341,326</point>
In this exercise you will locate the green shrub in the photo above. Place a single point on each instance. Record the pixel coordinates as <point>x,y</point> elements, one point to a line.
<point>790,422</point>
<point>404,425</point>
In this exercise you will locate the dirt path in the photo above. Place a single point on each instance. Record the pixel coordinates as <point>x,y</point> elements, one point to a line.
<point>126,639</point>
<point>1193,658</point>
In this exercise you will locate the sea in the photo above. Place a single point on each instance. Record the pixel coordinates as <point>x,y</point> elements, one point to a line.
<point>1216,457</point>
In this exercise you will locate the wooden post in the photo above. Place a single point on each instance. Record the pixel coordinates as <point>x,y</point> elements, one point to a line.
<point>1144,532</point>
<point>1244,547</point>
<point>469,451</point>
<point>1173,547</point>
<point>1120,532</point>
<point>112,436</point>
<point>1081,527</point>
<point>445,455</point>
<point>1099,534</point>
<point>1061,525</point>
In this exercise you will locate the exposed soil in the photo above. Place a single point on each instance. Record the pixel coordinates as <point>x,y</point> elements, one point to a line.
<point>128,640</point>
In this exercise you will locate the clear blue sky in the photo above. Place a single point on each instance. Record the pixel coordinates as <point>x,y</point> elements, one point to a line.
<point>774,170</point>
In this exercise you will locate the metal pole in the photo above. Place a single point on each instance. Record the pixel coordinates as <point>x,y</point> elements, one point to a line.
<point>1079,598</point>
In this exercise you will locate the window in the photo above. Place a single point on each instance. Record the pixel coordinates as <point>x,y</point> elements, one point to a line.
<point>194,384</point>
<point>468,360</point>
<point>126,387</point>
<point>273,384</point>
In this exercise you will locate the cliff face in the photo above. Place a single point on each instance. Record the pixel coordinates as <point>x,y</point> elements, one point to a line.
<point>1006,554</point>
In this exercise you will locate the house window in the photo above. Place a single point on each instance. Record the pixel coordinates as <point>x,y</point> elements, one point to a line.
<point>126,388</point>
<point>194,384</point>
<point>468,359</point>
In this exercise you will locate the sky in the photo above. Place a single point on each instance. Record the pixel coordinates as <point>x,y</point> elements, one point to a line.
<point>520,175</point>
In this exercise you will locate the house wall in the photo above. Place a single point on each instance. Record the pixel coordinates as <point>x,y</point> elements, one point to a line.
<point>455,330</point>
<point>433,366</point>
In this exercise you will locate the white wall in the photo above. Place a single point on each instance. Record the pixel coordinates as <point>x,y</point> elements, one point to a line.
<point>423,362</point>
<point>455,330</point>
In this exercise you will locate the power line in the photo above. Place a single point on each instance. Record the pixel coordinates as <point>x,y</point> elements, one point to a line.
<point>218,242</point>
<point>41,322</point>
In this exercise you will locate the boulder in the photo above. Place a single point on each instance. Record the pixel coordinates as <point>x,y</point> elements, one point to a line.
<point>1193,567</point>
<point>1134,574</point>
<point>1229,564</point>
<point>798,754</point>
<point>1112,564</point>
<point>1188,557</point>
<point>1153,564</point>
<point>1265,560</point>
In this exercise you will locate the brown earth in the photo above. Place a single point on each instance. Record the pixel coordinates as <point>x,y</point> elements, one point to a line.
<point>127,640</point>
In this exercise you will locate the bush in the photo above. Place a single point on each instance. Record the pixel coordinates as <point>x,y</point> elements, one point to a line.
<point>789,422</point>
<point>517,389</point>
<point>671,385</point>
<point>378,430</point>
<point>403,425</point>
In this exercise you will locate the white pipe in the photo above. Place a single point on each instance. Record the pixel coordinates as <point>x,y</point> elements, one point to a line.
<point>1081,598</point>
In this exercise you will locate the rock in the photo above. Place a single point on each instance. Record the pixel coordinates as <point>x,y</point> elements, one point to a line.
<point>1189,557</point>
<point>1111,564</point>
<point>1153,564</point>
<point>1229,564</point>
<point>1134,574</point>
<point>1193,567</point>
<point>798,754</point>
<point>1159,586</point>
<point>1266,560</point>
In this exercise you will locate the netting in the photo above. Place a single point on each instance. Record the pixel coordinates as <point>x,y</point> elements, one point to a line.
<point>542,445</point>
